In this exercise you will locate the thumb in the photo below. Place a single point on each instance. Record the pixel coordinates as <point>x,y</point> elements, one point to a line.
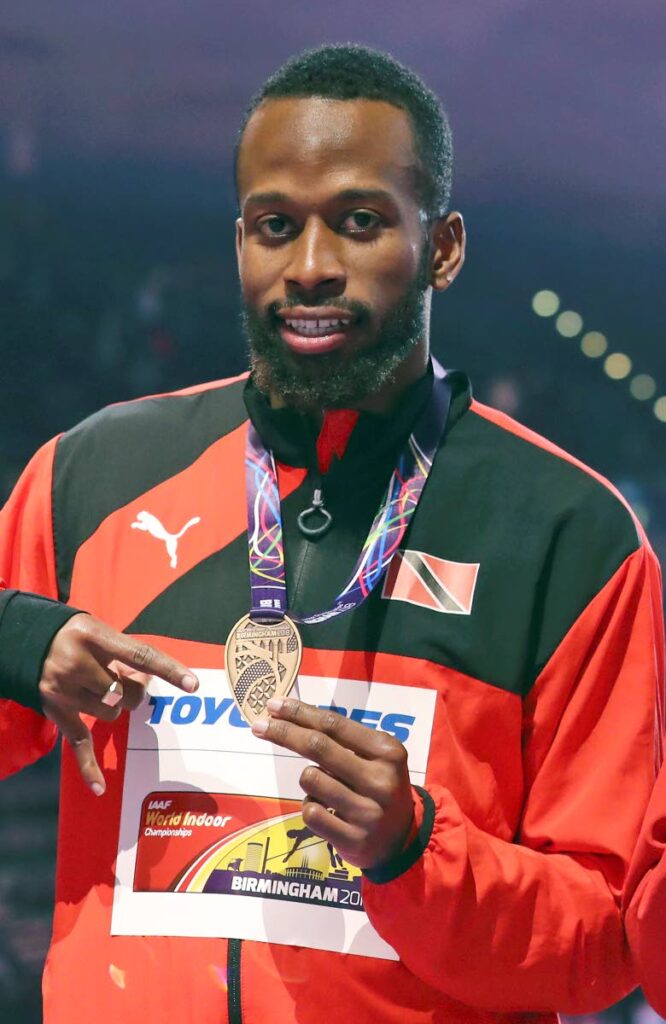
<point>79,737</point>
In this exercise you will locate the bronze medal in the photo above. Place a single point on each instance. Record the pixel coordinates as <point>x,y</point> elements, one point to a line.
<point>262,661</point>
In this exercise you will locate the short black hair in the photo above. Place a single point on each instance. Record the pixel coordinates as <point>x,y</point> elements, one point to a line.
<point>352,72</point>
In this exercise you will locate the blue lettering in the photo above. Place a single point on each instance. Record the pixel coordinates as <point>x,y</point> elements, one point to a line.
<point>397,725</point>
<point>369,718</point>
<point>185,710</point>
<point>158,705</point>
<point>235,718</point>
<point>213,711</point>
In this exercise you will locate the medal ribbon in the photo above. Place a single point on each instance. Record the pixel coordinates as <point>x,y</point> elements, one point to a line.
<point>267,572</point>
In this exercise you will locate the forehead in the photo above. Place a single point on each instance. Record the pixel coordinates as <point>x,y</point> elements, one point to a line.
<point>317,144</point>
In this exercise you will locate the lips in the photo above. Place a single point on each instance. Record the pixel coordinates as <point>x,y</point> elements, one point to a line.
<point>308,334</point>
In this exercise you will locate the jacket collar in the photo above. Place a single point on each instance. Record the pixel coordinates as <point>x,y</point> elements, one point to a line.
<point>292,436</point>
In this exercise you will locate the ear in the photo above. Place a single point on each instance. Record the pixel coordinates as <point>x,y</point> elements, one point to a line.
<point>239,239</point>
<point>448,250</point>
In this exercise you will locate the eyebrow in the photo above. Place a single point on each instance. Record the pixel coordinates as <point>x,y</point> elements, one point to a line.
<point>347,195</point>
<point>354,194</point>
<point>262,198</point>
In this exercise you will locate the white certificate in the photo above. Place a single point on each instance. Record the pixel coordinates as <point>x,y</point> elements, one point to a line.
<point>212,842</point>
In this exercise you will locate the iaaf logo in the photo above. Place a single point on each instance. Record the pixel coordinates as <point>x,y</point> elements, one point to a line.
<point>210,711</point>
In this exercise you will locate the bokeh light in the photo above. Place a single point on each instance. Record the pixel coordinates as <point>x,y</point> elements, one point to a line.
<point>617,365</point>
<point>660,408</point>
<point>594,344</point>
<point>545,303</point>
<point>569,324</point>
<point>643,387</point>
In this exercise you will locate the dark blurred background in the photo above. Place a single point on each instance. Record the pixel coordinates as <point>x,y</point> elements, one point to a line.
<point>117,273</point>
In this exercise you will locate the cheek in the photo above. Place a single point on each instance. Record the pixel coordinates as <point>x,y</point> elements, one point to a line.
<point>385,270</point>
<point>259,272</point>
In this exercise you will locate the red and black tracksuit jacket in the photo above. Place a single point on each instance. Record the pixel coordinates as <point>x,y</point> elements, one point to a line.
<point>505,907</point>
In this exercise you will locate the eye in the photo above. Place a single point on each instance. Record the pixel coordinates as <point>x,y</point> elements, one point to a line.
<point>360,222</point>
<point>275,226</point>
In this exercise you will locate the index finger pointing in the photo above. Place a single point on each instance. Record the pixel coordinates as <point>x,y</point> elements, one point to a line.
<point>108,644</point>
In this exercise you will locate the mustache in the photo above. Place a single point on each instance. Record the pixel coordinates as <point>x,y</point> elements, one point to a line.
<point>359,310</point>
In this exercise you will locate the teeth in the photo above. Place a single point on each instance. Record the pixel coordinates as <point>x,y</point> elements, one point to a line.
<point>317,328</point>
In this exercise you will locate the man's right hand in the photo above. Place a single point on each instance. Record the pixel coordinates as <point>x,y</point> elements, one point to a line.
<point>85,658</point>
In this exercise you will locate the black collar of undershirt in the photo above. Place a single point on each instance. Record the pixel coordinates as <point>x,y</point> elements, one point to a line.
<point>292,436</point>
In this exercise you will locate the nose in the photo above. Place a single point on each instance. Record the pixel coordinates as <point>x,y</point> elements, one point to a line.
<point>315,269</point>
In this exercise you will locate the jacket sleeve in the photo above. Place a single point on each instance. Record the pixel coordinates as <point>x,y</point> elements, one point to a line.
<point>535,924</point>
<point>645,900</point>
<point>28,624</point>
<point>27,563</point>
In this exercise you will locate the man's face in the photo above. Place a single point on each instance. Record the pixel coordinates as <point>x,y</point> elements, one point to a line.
<point>332,248</point>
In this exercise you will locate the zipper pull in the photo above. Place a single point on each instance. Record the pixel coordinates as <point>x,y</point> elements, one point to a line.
<point>319,511</point>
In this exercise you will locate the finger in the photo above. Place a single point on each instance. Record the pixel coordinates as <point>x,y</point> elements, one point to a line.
<point>91,704</point>
<point>113,695</point>
<point>80,700</point>
<point>333,795</point>
<point>134,693</point>
<point>365,742</point>
<point>125,672</point>
<point>345,838</point>
<point>134,683</point>
<point>78,735</point>
<point>108,644</point>
<point>314,746</point>
<point>76,670</point>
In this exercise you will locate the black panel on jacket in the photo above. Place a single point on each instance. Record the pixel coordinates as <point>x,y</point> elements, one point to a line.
<point>116,455</point>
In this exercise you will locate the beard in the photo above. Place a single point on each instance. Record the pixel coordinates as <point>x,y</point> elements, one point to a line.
<point>339,379</point>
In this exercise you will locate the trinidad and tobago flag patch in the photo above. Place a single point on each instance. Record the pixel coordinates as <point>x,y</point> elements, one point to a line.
<point>431,582</point>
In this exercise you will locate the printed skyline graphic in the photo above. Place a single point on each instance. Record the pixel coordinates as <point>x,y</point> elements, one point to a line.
<point>279,859</point>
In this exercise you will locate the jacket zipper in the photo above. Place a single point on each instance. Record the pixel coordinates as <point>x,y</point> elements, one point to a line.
<point>234,981</point>
<point>234,1010</point>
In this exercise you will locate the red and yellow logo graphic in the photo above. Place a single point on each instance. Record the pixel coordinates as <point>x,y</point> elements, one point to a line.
<point>239,845</point>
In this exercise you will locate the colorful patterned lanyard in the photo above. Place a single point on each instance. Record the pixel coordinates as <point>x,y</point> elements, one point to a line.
<point>267,570</point>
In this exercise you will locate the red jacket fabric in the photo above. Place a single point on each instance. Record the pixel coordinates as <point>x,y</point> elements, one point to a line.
<point>645,898</point>
<point>546,728</point>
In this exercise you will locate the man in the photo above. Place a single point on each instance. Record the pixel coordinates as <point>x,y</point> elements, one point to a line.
<point>519,611</point>
<point>645,897</point>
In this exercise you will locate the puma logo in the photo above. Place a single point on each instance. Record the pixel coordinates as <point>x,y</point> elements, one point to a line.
<point>150,524</point>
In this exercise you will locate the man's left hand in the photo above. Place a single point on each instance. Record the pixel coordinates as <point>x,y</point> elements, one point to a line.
<point>359,774</point>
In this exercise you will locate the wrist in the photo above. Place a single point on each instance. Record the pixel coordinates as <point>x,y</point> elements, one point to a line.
<point>415,842</point>
<point>28,626</point>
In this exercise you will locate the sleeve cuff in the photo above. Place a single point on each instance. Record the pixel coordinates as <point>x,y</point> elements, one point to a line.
<point>403,861</point>
<point>27,627</point>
